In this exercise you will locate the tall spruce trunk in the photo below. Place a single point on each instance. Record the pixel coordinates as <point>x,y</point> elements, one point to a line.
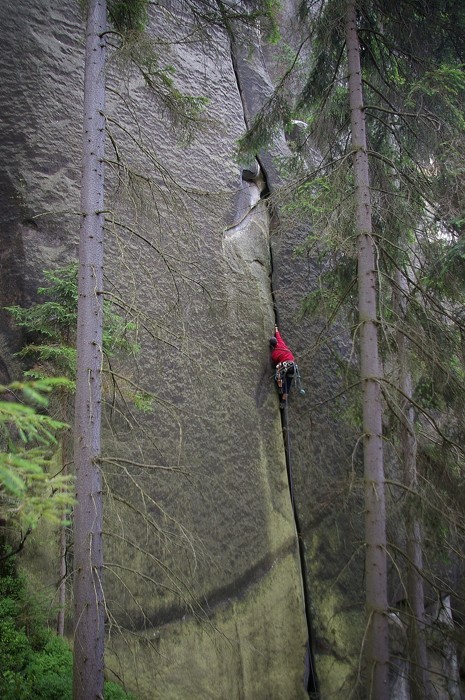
<point>416,625</point>
<point>376,649</point>
<point>88,555</point>
<point>66,459</point>
<point>62,585</point>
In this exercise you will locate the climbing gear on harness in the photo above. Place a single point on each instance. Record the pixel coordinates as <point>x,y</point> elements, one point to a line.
<point>279,376</point>
<point>283,369</point>
<point>298,381</point>
<point>290,369</point>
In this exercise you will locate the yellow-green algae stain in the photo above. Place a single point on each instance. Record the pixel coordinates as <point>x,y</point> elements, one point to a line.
<point>253,647</point>
<point>339,629</point>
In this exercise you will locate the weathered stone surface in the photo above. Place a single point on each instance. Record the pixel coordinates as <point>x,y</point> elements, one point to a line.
<point>324,468</point>
<point>203,569</point>
<point>41,77</point>
<point>199,520</point>
<point>228,657</point>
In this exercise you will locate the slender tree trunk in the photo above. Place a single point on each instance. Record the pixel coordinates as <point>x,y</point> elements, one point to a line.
<point>66,457</point>
<point>419,681</point>
<point>88,555</point>
<point>62,584</point>
<point>377,638</point>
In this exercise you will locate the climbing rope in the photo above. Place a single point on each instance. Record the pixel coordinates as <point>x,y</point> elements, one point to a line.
<point>310,679</point>
<point>287,450</point>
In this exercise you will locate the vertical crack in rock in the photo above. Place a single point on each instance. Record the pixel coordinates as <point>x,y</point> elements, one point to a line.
<point>235,67</point>
<point>310,678</point>
<point>254,173</point>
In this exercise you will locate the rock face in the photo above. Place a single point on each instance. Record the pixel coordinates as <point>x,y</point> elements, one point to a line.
<point>203,569</point>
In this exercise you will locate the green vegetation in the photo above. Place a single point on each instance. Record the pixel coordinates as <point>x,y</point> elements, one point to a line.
<point>31,486</point>
<point>52,324</point>
<point>128,16</point>
<point>34,663</point>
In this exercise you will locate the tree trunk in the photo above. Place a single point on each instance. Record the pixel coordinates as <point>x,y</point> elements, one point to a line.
<point>418,677</point>
<point>66,458</point>
<point>62,584</point>
<point>88,555</point>
<point>377,638</point>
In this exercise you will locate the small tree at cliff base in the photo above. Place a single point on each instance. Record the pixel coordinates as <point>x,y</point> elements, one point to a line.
<point>32,485</point>
<point>50,323</point>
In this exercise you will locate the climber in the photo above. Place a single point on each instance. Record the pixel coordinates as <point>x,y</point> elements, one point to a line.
<point>284,362</point>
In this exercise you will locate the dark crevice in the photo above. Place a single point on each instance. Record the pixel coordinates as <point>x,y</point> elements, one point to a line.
<point>311,680</point>
<point>265,193</point>
<point>310,677</point>
<point>234,63</point>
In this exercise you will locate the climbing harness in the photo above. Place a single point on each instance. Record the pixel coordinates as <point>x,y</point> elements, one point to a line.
<point>291,369</point>
<point>283,369</point>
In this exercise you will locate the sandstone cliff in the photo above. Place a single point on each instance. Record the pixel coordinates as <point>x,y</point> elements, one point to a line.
<point>204,569</point>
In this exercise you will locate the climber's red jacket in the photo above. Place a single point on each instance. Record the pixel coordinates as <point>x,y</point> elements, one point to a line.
<point>281,352</point>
